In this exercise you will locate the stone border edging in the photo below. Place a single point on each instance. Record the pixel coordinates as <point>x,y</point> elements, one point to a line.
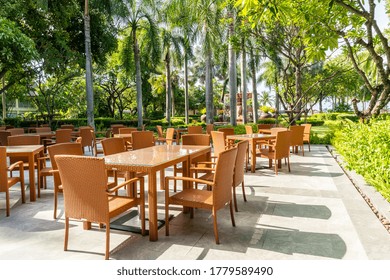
<point>378,204</point>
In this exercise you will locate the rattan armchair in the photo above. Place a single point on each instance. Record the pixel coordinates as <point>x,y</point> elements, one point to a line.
<point>61,149</point>
<point>214,200</point>
<point>194,129</point>
<point>86,195</point>
<point>297,134</point>
<point>278,150</point>
<point>6,182</point>
<point>142,139</point>
<point>306,133</point>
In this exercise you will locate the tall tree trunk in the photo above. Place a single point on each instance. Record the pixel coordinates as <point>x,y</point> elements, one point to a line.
<point>168,90</point>
<point>138,79</point>
<point>186,98</point>
<point>232,76</point>
<point>3,101</point>
<point>209,89</point>
<point>88,67</point>
<point>243,83</point>
<point>254,89</point>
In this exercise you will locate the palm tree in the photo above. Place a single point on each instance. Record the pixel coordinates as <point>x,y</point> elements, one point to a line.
<point>181,17</point>
<point>88,65</point>
<point>140,19</point>
<point>170,43</point>
<point>207,16</point>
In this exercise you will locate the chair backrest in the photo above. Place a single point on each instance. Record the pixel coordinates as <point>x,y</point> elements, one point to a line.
<point>25,139</point>
<point>160,132</point>
<point>4,137</point>
<point>3,169</point>
<point>142,139</point>
<point>196,139</point>
<point>126,130</point>
<point>194,129</point>
<point>218,139</point>
<point>223,177</point>
<point>67,126</point>
<point>169,136</point>
<point>282,144</point>
<point>209,128</point>
<point>63,135</point>
<point>297,135</point>
<point>248,129</point>
<point>62,149</point>
<point>86,136</point>
<point>84,182</point>
<point>264,126</point>
<point>20,140</point>
<point>43,129</point>
<point>239,166</point>
<point>227,131</point>
<point>3,127</point>
<point>275,130</point>
<point>115,128</point>
<point>306,132</point>
<point>16,131</point>
<point>113,145</point>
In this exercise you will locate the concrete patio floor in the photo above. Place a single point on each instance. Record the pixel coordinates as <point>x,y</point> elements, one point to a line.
<point>312,213</point>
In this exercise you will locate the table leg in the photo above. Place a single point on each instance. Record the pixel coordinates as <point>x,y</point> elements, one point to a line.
<point>31,177</point>
<point>253,159</point>
<point>152,201</point>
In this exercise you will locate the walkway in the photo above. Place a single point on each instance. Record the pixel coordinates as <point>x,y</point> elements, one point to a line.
<point>312,213</point>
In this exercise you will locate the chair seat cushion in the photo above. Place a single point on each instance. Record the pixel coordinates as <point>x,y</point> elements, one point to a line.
<point>119,204</point>
<point>193,198</point>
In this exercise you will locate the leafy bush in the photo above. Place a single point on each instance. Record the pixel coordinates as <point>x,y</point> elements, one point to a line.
<point>347,116</point>
<point>366,149</point>
<point>313,122</point>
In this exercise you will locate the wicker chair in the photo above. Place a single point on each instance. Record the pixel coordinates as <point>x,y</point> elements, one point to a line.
<point>214,200</point>
<point>194,129</point>
<point>16,131</point>
<point>161,138</point>
<point>278,150</point>
<point>196,140</point>
<point>142,139</point>
<point>86,138</point>
<point>86,195</point>
<point>20,140</point>
<point>61,149</point>
<point>4,137</point>
<point>306,133</point>
<point>297,138</point>
<point>7,182</point>
<point>227,131</point>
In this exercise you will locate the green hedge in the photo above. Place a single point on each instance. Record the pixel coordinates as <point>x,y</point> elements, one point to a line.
<point>366,149</point>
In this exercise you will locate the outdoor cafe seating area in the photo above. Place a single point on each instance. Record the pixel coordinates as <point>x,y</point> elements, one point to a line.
<point>157,177</point>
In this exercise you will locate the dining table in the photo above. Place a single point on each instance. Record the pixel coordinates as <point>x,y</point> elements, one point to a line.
<point>29,151</point>
<point>150,161</point>
<point>253,139</point>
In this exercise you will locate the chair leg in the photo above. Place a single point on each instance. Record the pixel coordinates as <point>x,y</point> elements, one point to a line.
<point>167,214</point>
<point>232,214</point>
<point>23,191</point>
<point>7,201</point>
<point>55,202</point>
<point>243,191</point>
<point>215,226</point>
<point>276,167</point>
<point>235,199</point>
<point>107,255</point>
<point>288,163</point>
<point>66,234</point>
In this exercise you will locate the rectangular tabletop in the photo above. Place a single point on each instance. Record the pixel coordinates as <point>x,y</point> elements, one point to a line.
<point>27,151</point>
<point>151,160</point>
<point>253,139</point>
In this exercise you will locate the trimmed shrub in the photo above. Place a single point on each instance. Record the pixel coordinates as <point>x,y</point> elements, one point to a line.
<point>366,149</point>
